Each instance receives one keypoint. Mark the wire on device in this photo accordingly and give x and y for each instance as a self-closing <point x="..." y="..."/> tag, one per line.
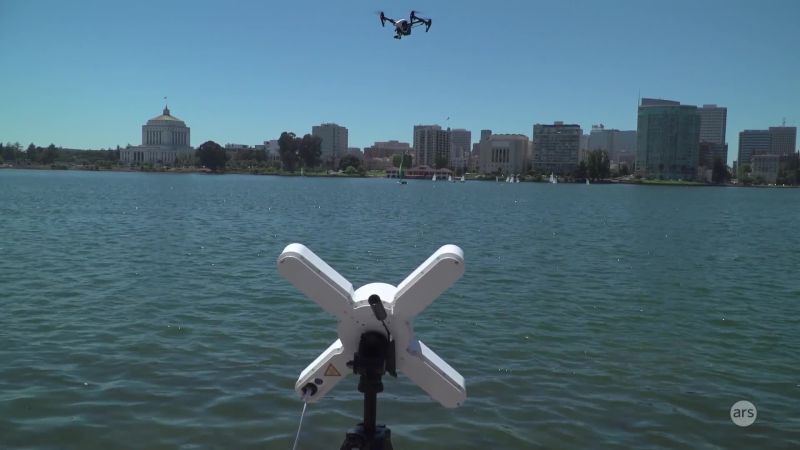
<point x="308" y="391"/>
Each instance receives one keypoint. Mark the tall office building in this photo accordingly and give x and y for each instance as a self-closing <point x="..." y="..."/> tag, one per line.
<point x="752" y="142"/>
<point x="333" y="142"/>
<point x="503" y="153"/>
<point x="620" y="145"/>
<point x="460" y="146"/>
<point x="783" y="140"/>
<point x="556" y="147"/>
<point x="583" y="147"/>
<point x="713" y="123"/>
<point x="713" y="126"/>
<point x="485" y="134"/>
<point x="668" y="139"/>
<point x="431" y="143"/>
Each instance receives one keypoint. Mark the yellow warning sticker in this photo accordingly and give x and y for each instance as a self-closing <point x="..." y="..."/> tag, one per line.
<point x="332" y="372"/>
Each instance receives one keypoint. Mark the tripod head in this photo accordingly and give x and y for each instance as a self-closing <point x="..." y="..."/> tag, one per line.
<point x="375" y="355"/>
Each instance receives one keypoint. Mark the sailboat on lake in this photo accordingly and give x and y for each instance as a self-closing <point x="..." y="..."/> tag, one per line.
<point x="400" y="171"/>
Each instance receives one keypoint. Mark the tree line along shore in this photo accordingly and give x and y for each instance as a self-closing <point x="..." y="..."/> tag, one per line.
<point x="301" y="156"/>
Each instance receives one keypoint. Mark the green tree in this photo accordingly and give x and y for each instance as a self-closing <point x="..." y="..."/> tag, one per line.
<point x="719" y="173"/>
<point x="48" y="155"/>
<point x="309" y="150"/>
<point x="288" y="150"/>
<point x="789" y="172"/>
<point x="582" y="171"/>
<point x="12" y="152"/>
<point x="32" y="152"/>
<point x="212" y="155"/>
<point x="349" y="161"/>
<point x="744" y="170"/>
<point x="598" y="165"/>
<point x="440" y="162"/>
<point x="406" y="159"/>
<point x="251" y="155"/>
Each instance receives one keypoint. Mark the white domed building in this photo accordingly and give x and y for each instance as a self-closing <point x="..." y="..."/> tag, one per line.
<point x="164" y="139"/>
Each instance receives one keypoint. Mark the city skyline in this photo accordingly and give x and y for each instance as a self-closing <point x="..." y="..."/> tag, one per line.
<point x="91" y="71"/>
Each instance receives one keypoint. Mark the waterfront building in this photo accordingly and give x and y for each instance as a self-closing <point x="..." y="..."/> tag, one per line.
<point x="379" y="155"/>
<point x="431" y="143"/>
<point x="765" y="166"/>
<point x="556" y="148"/>
<point x="782" y="140"/>
<point x="620" y="145"/>
<point x="273" y="150"/>
<point x="713" y="127"/>
<point x="165" y="138"/>
<point x="713" y="123"/>
<point x="460" y="146"/>
<point x="386" y="149"/>
<point x="474" y="158"/>
<point x="583" y="147"/>
<point x="668" y="140"/>
<point x="504" y="153"/>
<point x="355" y="151"/>
<point x="333" y="143"/>
<point x="420" y="173"/>
<point x="752" y="142"/>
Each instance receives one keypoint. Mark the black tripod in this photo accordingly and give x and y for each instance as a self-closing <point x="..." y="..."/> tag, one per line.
<point x="375" y="356"/>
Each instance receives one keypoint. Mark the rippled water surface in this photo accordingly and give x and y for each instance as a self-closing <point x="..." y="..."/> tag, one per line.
<point x="146" y="311"/>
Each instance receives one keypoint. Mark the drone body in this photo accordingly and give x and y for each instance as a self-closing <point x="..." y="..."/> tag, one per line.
<point x="356" y="317"/>
<point x="403" y="27"/>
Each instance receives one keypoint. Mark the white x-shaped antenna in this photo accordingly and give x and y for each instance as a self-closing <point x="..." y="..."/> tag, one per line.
<point x="319" y="282"/>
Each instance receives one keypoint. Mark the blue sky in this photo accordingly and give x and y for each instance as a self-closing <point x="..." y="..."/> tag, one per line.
<point x="88" y="74"/>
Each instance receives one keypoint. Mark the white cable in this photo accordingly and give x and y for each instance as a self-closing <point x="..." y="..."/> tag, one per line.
<point x="297" y="437"/>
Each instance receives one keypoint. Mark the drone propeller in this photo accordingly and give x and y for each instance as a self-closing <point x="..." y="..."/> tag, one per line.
<point x="382" y="17"/>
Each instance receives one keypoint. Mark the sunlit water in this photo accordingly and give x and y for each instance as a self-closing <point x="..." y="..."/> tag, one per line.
<point x="146" y="311"/>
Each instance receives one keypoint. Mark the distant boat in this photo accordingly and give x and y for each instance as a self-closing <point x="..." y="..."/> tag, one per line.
<point x="450" y="178"/>
<point x="400" y="172"/>
<point x="516" y="178"/>
<point x="463" y="179"/>
<point x="587" y="181"/>
<point x="434" y="177"/>
<point x="553" y="179"/>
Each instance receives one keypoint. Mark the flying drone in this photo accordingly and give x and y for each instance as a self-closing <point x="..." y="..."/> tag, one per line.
<point x="403" y="27"/>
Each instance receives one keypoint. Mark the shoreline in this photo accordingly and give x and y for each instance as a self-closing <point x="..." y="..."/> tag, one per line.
<point x="367" y="175"/>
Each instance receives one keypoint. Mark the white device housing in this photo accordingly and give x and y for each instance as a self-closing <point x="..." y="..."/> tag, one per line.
<point x="333" y="293"/>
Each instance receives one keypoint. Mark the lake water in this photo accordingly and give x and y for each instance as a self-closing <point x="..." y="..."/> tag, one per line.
<point x="146" y="311"/>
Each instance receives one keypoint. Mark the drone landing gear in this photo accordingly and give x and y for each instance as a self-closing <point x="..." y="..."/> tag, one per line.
<point x="375" y="356"/>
